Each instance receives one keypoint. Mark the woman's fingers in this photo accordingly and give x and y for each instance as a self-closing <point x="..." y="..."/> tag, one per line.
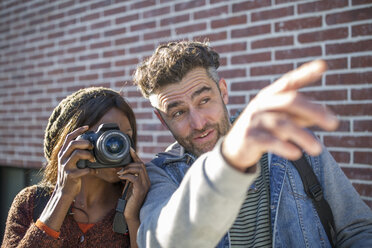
<point x="76" y="155"/>
<point x="77" y="150"/>
<point x="76" y="173"/>
<point x="71" y="136"/>
<point x="134" y="156"/>
<point x="135" y="169"/>
<point x="135" y="173"/>
<point x="129" y="177"/>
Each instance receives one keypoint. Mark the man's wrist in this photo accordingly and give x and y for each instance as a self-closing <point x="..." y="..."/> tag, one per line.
<point x="250" y="169"/>
<point x="227" y="180"/>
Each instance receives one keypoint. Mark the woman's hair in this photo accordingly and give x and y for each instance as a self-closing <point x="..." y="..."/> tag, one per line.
<point x="171" y="62"/>
<point x="84" y="107"/>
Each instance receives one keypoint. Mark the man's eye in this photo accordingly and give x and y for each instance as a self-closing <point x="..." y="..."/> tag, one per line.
<point x="178" y="113"/>
<point x="204" y="101"/>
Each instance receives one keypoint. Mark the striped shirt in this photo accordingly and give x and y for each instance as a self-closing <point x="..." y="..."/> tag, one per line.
<point x="252" y="226"/>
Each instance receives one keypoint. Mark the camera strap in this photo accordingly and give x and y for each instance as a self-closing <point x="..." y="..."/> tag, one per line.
<point x="120" y="224"/>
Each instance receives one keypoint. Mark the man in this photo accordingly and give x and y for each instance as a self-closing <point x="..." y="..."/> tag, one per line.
<point x="233" y="185"/>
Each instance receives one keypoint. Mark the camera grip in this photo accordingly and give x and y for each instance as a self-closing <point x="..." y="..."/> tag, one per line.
<point x="81" y="164"/>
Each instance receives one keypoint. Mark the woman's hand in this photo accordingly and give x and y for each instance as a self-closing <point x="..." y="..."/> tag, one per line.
<point x="136" y="174"/>
<point x="68" y="179"/>
<point x="69" y="176"/>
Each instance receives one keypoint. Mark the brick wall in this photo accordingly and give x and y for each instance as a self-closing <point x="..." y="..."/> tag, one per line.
<point x="48" y="49"/>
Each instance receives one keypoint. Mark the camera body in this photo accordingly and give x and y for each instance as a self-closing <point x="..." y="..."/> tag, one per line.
<point x="111" y="147"/>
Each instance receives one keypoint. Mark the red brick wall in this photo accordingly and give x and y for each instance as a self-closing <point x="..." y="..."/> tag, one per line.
<point x="49" y="49"/>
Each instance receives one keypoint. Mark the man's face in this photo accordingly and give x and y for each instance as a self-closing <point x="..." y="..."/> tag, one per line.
<point x="194" y="110"/>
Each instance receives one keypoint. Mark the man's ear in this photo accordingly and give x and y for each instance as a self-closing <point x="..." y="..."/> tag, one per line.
<point x="157" y="113"/>
<point x="223" y="89"/>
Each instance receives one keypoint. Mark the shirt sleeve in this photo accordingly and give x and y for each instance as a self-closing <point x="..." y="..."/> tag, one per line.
<point x="20" y="230"/>
<point x="54" y="234"/>
<point x="200" y="211"/>
<point x="352" y="216"/>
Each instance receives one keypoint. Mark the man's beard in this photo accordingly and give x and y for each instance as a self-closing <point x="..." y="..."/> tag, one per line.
<point x="221" y="128"/>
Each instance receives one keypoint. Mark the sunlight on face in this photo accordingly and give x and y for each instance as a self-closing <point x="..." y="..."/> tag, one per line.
<point x="194" y="111"/>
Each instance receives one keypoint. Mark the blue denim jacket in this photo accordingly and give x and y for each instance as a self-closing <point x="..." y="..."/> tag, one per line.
<point x="294" y="220"/>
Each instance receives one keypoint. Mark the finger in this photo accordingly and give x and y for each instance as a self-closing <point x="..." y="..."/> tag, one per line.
<point x="76" y="173"/>
<point x="139" y="185"/>
<point x="285" y="150"/>
<point x="285" y="129"/>
<point x="277" y="146"/>
<point x="76" y="145"/>
<point x="76" y="156"/>
<point x="139" y="165"/>
<point x="133" y="168"/>
<point x="328" y="122"/>
<point x="130" y="177"/>
<point x="296" y="79"/>
<point x="135" y="172"/>
<point x="306" y="113"/>
<point x="135" y="156"/>
<point x="93" y="171"/>
<point x="73" y="135"/>
<point x="311" y="113"/>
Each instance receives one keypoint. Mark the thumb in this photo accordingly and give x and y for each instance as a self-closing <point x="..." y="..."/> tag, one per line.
<point x="80" y="172"/>
<point x="135" y="156"/>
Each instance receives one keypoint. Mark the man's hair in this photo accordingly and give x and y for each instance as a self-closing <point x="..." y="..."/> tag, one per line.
<point x="171" y="62"/>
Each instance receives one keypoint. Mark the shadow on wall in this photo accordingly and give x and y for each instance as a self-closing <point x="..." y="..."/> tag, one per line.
<point x="13" y="180"/>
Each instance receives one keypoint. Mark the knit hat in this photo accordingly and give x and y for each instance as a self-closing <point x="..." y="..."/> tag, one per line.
<point x="67" y="110"/>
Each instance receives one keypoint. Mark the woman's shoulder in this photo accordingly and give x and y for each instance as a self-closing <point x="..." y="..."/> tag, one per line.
<point x="26" y="197"/>
<point x="26" y="194"/>
<point x="22" y="205"/>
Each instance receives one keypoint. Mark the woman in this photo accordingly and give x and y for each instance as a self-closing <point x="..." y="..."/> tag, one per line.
<point x="81" y="208"/>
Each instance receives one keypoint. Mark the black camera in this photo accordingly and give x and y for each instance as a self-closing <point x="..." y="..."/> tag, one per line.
<point x="111" y="147"/>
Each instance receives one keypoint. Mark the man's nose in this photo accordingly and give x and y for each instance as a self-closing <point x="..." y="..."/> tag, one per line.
<point x="197" y="119"/>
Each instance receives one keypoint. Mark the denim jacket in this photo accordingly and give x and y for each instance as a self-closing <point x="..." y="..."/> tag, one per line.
<point x="169" y="217"/>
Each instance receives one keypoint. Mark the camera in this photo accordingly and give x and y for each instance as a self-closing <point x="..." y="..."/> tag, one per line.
<point x="111" y="147"/>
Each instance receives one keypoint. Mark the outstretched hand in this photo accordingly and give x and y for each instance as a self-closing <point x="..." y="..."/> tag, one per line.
<point x="276" y="121"/>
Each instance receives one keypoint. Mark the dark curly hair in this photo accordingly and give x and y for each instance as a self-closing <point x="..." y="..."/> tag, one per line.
<point x="84" y="107"/>
<point x="171" y="62"/>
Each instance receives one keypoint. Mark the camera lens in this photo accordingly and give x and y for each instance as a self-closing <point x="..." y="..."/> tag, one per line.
<point x="112" y="147"/>
<point x="114" y="144"/>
